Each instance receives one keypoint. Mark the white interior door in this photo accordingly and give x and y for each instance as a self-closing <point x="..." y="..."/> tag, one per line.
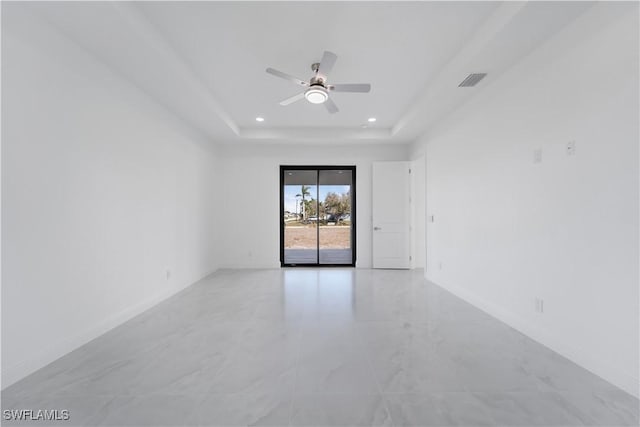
<point x="391" y="215"/>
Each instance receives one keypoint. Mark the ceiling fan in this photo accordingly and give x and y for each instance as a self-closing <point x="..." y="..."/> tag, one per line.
<point x="317" y="88"/>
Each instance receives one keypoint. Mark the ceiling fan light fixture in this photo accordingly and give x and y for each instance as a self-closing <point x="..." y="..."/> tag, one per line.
<point x="316" y="95"/>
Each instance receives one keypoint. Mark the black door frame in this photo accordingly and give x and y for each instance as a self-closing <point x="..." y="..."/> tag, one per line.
<point x="352" y="168"/>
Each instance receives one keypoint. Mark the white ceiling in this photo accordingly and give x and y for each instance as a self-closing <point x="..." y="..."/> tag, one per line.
<point x="230" y="45"/>
<point x="205" y="61"/>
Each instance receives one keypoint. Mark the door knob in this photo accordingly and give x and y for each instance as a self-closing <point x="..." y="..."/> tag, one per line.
<point x="377" y="228"/>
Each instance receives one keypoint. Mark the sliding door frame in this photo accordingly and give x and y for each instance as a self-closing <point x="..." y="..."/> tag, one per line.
<point x="352" y="168"/>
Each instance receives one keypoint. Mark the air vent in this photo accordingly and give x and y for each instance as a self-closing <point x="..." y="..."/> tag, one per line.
<point x="472" y="80"/>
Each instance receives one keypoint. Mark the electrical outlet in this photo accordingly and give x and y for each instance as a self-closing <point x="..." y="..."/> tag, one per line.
<point x="537" y="155"/>
<point x="440" y="265"/>
<point x="168" y="274"/>
<point x="571" y="148"/>
<point x="539" y="308"/>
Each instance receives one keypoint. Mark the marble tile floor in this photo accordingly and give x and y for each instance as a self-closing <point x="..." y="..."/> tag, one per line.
<point x="318" y="347"/>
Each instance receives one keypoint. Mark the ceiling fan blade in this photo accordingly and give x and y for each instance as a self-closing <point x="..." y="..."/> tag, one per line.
<point x="351" y="87"/>
<point x="292" y="99"/>
<point x="287" y="77"/>
<point x="327" y="62"/>
<point x="331" y="106"/>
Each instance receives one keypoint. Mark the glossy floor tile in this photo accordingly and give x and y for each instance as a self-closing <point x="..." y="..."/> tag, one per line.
<point x="318" y="347"/>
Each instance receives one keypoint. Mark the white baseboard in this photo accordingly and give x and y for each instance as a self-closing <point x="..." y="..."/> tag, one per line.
<point x="30" y="364"/>
<point x="617" y="376"/>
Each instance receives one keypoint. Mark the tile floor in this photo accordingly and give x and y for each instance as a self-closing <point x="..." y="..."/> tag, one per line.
<point x="319" y="347"/>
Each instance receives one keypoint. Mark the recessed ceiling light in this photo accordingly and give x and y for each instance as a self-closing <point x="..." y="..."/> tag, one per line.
<point x="371" y="119"/>
<point x="259" y="119"/>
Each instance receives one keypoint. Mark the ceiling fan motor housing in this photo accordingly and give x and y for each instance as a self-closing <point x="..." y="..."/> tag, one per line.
<point x="316" y="81"/>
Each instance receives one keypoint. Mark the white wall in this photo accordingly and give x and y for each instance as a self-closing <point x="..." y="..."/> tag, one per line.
<point x="252" y="199"/>
<point x="103" y="191"/>
<point x="418" y="243"/>
<point x="508" y="230"/>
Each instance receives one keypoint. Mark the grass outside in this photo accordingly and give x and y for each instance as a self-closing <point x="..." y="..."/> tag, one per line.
<point x="304" y="237"/>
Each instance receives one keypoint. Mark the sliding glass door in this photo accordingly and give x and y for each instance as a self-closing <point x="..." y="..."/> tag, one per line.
<point x="317" y="216"/>
<point x="299" y="217"/>
<point x="334" y="230"/>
